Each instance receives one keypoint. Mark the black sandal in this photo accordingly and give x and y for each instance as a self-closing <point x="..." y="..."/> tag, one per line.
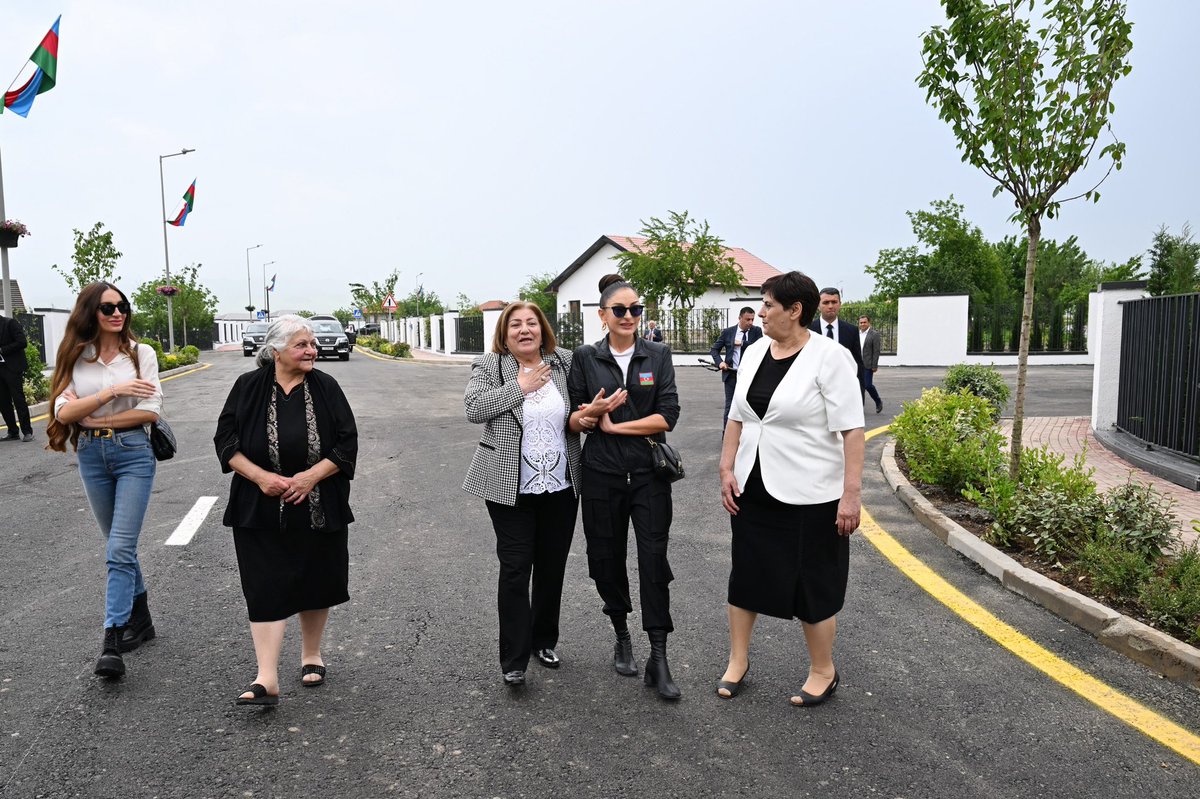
<point x="260" y="696"/>
<point x="312" y="668"/>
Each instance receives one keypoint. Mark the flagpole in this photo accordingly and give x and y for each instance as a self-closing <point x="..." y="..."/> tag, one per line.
<point x="5" y="283"/>
<point x="162" y="193"/>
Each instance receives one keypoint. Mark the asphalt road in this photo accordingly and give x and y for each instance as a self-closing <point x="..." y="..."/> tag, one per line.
<point x="414" y="705"/>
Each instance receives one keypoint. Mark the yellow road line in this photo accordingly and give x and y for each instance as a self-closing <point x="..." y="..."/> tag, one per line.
<point x="201" y="368"/>
<point x="369" y="354"/>
<point x="1107" y="698"/>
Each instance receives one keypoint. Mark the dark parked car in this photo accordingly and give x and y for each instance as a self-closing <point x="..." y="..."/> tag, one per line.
<point x="331" y="339"/>
<point x="369" y="329"/>
<point x="253" y="337"/>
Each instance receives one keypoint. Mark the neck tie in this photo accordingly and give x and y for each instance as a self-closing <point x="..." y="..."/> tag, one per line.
<point x="829" y="330"/>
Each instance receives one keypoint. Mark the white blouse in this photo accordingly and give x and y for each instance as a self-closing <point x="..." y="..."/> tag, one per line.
<point x="90" y="377"/>
<point x="544" y="442"/>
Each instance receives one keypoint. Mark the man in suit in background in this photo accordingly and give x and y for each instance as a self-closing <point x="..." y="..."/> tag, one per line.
<point x="652" y="332"/>
<point x="12" y="380"/>
<point x="869" y="342"/>
<point x="827" y="324"/>
<point x="734" y="341"/>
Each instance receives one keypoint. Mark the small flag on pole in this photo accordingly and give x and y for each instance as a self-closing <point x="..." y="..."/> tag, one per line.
<point x="189" y="200"/>
<point x="45" y="61"/>
<point x="272" y="286"/>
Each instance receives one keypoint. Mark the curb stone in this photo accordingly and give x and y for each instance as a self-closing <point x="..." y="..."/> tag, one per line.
<point x="1137" y="641"/>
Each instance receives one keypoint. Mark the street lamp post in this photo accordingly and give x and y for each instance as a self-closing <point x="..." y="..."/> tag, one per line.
<point x="249" y="291"/>
<point x="266" y="291"/>
<point x="166" y="253"/>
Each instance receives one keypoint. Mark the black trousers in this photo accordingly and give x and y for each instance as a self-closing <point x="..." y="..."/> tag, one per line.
<point x="730" y="385"/>
<point x="12" y="392"/>
<point x="610" y="502"/>
<point x="532" y="537"/>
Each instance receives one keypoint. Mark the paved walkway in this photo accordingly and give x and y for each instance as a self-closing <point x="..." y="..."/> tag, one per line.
<point x="1068" y="435"/>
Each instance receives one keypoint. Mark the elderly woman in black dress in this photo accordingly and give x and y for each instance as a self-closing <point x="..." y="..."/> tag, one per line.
<point x="791" y="478"/>
<point x="288" y="433"/>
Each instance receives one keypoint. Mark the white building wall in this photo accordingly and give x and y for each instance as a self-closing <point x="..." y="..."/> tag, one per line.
<point x="490" y="319"/>
<point x="1105" y="319"/>
<point x="451" y="331"/>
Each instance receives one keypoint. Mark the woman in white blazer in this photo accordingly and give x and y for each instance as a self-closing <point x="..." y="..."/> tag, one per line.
<point x="791" y="478"/>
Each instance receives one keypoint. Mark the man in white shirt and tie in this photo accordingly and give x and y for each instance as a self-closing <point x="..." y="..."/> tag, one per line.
<point x="734" y="340"/>
<point x="827" y="324"/>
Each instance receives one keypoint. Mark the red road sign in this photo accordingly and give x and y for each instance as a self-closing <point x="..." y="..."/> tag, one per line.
<point x="389" y="304"/>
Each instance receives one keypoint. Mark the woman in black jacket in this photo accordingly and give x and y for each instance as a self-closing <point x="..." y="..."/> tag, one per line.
<point x="289" y="434"/>
<point x="619" y="483"/>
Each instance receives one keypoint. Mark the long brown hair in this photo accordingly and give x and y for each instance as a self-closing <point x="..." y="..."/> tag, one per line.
<point x="83" y="330"/>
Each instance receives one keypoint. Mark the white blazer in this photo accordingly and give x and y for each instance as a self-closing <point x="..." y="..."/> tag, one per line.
<point x="799" y="441"/>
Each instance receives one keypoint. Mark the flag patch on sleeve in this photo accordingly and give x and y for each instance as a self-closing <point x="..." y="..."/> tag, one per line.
<point x="646" y="378"/>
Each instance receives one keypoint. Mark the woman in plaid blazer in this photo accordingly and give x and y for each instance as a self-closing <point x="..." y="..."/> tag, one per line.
<point x="526" y="467"/>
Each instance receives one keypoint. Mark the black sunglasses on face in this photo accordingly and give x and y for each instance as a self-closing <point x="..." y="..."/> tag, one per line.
<point x="619" y="310"/>
<point x="109" y="308"/>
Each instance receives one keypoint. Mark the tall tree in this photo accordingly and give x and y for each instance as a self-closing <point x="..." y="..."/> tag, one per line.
<point x="369" y="299"/>
<point x="194" y="306"/>
<point x="1173" y="263"/>
<point x="95" y="259"/>
<point x="1027" y="107"/>
<point x="682" y="260"/>
<point x="534" y="291"/>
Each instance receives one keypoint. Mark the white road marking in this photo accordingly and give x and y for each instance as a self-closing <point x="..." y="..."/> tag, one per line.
<point x="191" y="523"/>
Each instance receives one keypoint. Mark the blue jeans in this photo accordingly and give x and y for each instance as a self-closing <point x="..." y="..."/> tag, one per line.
<point x="118" y="474"/>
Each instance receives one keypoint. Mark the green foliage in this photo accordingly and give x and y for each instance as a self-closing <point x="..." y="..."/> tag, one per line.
<point x="306" y="314"/>
<point x="190" y="352"/>
<point x="378" y="344"/>
<point x="193" y="308"/>
<point x="1172" y="598"/>
<point x="1140" y="519"/>
<point x="344" y="316"/>
<point x="681" y="260"/>
<point x="534" y="291"/>
<point x="95" y="258"/>
<point x="1113" y="570"/>
<point x="1174" y="263"/>
<point x="467" y="306"/>
<point x="370" y="299"/>
<point x="949" y="439"/>
<point x="982" y="381"/>
<point x="37" y="388"/>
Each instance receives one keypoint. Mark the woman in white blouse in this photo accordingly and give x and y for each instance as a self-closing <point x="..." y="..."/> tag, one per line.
<point x="791" y="478"/>
<point x="104" y="392"/>
<point x="526" y="467"/>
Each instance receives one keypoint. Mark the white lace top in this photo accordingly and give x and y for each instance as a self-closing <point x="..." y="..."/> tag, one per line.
<point x="544" y="443"/>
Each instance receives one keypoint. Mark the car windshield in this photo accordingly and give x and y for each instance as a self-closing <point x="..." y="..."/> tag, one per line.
<point x="258" y="328"/>
<point x="327" y="327"/>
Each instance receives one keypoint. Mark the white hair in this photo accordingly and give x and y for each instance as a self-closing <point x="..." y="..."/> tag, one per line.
<point x="279" y="333"/>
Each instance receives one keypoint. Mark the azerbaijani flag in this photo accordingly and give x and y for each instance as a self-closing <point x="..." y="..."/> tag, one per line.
<point x="45" y="59"/>
<point x="189" y="200"/>
<point x="272" y="286"/>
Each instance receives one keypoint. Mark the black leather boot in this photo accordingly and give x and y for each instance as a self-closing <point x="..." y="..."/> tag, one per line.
<point x="623" y="660"/>
<point x="110" y="663"/>
<point x="658" y="673"/>
<point x="140" y="627"/>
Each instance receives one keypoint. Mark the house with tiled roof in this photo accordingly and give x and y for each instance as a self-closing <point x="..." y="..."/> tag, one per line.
<point x="577" y="286"/>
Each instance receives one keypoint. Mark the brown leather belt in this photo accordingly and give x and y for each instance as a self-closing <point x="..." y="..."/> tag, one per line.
<point x="105" y="432"/>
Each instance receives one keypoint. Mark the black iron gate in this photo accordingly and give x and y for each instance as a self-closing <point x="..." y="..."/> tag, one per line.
<point x="1158" y="397"/>
<point x="441" y="334"/>
<point x="470" y="333"/>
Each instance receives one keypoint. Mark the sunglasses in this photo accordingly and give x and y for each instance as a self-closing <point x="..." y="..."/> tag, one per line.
<point x="619" y="310"/>
<point x="109" y="308"/>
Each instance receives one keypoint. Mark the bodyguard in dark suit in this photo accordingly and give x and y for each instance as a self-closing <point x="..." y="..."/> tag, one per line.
<point x="12" y="380"/>
<point x="734" y="340"/>
<point x="868" y="338"/>
<point x="827" y="324"/>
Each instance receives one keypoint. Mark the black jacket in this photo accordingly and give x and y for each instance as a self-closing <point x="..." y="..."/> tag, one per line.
<point x="12" y="345"/>
<point x="847" y="337"/>
<point x="725" y="341"/>
<point x="651" y="386"/>
<point x="242" y="427"/>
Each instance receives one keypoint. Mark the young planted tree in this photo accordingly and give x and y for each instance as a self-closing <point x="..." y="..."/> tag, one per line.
<point x="369" y="299"/>
<point x="195" y="306"/>
<point x="95" y="258"/>
<point x="1027" y="94"/>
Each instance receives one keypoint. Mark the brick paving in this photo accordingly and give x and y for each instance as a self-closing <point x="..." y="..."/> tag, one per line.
<point x="1068" y="435"/>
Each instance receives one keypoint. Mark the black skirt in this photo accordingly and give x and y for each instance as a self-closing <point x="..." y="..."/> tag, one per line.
<point x="286" y="572"/>
<point x="788" y="560"/>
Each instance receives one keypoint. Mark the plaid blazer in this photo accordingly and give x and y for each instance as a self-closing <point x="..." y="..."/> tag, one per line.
<point x="494" y="399"/>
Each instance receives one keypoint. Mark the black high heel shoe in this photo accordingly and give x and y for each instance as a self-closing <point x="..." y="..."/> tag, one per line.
<point x="809" y="700"/>
<point x="734" y="688"/>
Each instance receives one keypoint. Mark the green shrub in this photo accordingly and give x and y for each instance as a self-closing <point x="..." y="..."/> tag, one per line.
<point x="403" y="350"/>
<point x="1139" y="519"/>
<point x="169" y="361"/>
<point x="1113" y="570"/>
<point x="1172" y="598"/>
<point x="982" y="381"/>
<point x="192" y="354"/>
<point x="949" y="439"/>
<point x="35" y="384"/>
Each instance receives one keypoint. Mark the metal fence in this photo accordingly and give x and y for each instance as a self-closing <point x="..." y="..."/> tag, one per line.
<point x="441" y="334"/>
<point x="996" y="327"/>
<point x="568" y="329"/>
<point x="692" y="330"/>
<point x="1158" y="396"/>
<point x="470" y="333"/>
<point x="884" y="316"/>
<point x="35" y="331"/>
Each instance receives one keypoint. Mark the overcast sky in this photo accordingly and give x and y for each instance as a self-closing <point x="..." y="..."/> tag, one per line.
<point x="481" y="142"/>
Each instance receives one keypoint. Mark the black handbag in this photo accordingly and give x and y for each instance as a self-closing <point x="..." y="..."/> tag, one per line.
<point x="668" y="465"/>
<point x="162" y="440"/>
